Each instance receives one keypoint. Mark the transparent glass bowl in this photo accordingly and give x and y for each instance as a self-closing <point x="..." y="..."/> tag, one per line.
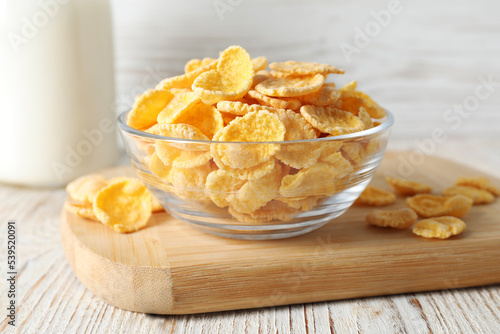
<point x="281" y="202"/>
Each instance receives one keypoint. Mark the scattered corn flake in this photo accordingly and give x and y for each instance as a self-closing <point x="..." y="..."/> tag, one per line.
<point x="373" y="196"/>
<point x="401" y="219"/>
<point x="407" y="187"/>
<point x="331" y="120"/>
<point x="480" y="183"/>
<point x="291" y="86"/>
<point x="83" y="189"/>
<point x="185" y="80"/>
<point x="124" y="205"/>
<point x="84" y="211"/>
<point x="479" y="196"/>
<point x="440" y="228"/>
<point x="427" y="205"/>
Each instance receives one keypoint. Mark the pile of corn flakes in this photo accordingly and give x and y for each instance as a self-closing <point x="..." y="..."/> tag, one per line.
<point x="235" y="99"/>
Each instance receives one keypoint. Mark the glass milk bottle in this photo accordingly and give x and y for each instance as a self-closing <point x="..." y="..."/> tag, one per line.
<point x="57" y="117"/>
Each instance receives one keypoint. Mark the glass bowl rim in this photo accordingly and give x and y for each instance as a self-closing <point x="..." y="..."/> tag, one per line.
<point x="387" y="124"/>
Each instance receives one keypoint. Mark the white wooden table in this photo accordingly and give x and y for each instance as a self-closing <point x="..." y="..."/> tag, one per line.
<point x="427" y="59"/>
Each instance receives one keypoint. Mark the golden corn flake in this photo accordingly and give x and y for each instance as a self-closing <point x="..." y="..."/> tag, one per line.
<point x="291" y="86"/>
<point x="180" y="104"/>
<point x="435" y="206"/>
<point x="251" y="173"/>
<point x="317" y="180"/>
<point x="402" y="218"/>
<point x="354" y="151"/>
<point x="407" y="187"/>
<point x="253" y="127"/>
<point x="232" y="79"/>
<point x="190" y="182"/>
<point x="342" y="166"/>
<point x="330" y="120"/>
<point x="185" y="80"/>
<point x="222" y="187"/>
<point x="479" y="196"/>
<point x="480" y="183"/>
<point x="124" y="205"/>
<point x="227" y="117"/>
<point x="274" y="210"/>
<point x="304" y="68"/>
<point x="349" y="88"/>
<point x="373" y="196"/>
<point x="297" y="155"/>
<point x="195" y="64"/>
<point x="357" y="100"/>
<point x="84" y="211"/>
<point x="159" y="169"/>
<point x="240" y="108"/>
<point x="259" y="77"/>
<point x="257" y="193"/>
<point x="365" y="117"/>
<point x="259" y="64"/>
<point x="440" y="228"/>
<point x="303" y="204"/>
<point x="203" y="117"/>
<point x="172" y="156"/>
<point x="147" y="107"/>
<point x="326" y="96"/>
<point x="279" y="103"/>
<point x="83" y="189"/>
<point x="183" y="131"/>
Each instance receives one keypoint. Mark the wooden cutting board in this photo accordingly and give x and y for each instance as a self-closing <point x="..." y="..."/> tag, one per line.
<point x="172" y="268"/>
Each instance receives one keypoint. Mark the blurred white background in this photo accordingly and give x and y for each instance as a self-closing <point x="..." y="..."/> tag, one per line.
<point x="418" y="61"/>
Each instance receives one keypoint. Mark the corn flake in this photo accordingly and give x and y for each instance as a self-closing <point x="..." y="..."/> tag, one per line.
<point x="435" y="206"/>
<point x="407" y="187"/>
<point x="331" y="120"/>
<point x="402" y="218"/>
<point x="480" y="183"/>
<point x="304" y="68"/>
<point x="83" y="189"/>
<point x="124" y="205"/>
<point x="232" y="79"/>
<point x="291" y="86"/>
<point x="373" y="196"/>
<point x="479" y="196"/>
<point x="440" y="228"/>
<point x="147" y="107"/>
<point x="317" y="180"/>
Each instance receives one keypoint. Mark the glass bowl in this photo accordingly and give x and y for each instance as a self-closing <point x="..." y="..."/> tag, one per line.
<point x="199" y="186"/>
